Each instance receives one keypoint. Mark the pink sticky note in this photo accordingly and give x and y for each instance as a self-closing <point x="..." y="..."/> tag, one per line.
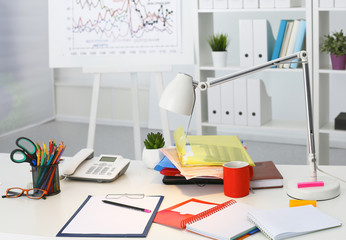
<point x="310" y="184"/>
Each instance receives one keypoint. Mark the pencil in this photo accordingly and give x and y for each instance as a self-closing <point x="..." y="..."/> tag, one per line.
<point x="127" y="206"/>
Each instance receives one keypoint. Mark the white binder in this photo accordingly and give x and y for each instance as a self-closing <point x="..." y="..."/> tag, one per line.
<point x="260" y="42"/>
<point x="227" y="103"/>
<point x="267" y="3"/>
<point x="214" y="104"/>
<point x="205" y="4"/>
<point x="340" y="3"/>
<point x="326" y="3"/>
<point x="235" y="4"/>
<point x="287" y="3"/>
<point x="240" y="102"/>
<point x="292" y="40"/>
<point x="258" y="103"/>
<point x="220" y="4"/>
<point x="245" y="43"/>
<point x="251" y="3"/>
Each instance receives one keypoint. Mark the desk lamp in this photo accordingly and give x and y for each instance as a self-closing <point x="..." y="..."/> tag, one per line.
<point x="179" y="97"/>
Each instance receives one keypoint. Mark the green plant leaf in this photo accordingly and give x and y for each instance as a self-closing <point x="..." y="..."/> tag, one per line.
<point x="154" y="141"/>
<point x="334" y="44"/>
<point x="218" y="42"/>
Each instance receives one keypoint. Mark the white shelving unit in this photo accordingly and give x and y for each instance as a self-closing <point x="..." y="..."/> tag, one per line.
<point x="324" y="78"/>
<point x="206" y="20"/>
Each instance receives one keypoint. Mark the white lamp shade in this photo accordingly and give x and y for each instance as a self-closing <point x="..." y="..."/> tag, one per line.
<point x="179" y="96"/>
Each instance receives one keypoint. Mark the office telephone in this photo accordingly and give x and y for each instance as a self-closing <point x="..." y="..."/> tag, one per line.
<point x="84" y="166"/>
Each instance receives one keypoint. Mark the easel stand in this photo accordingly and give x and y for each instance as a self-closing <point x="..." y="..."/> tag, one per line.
<point x="135" y="104"/>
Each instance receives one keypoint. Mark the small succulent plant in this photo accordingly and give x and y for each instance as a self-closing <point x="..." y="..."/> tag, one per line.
<point x="154" y="141"/>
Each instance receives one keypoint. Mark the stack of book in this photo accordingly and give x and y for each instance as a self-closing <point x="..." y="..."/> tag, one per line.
<point x="290" y="39"/>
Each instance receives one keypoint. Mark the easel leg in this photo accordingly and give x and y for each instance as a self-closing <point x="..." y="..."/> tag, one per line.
<point x="135" y="114"/>
<point x="93" y="111"/>
<point x="163" y="113"/>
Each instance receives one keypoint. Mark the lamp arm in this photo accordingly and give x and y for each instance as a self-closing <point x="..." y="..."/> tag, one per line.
<point x="219" y="80"/>
<point x="302" y="55"/>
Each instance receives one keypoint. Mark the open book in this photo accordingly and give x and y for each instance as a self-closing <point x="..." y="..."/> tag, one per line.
<point x="218" y="221"/>
<point x="289" y="222"/>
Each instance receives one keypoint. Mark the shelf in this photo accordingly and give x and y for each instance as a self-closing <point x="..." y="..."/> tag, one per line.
<point x="328" y="70"/>
<point x="329" y="128"/>
<point x="235" y="68"/>
<point x="332" y="9"/>
<point x="279" y="130"/>
<point x="260" y="10"/>
<point x="272" y="125"/>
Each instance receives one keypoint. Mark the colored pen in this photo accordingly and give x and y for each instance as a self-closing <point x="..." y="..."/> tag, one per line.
<point x="127" y="206"/>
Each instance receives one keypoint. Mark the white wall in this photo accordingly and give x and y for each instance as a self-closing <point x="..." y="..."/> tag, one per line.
<point x="73" y="96"/>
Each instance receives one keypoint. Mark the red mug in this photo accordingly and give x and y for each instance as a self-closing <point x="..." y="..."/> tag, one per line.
<point x="236" y="178"/>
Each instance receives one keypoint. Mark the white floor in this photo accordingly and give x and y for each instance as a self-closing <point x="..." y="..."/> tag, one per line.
<point x="119" y="140"/>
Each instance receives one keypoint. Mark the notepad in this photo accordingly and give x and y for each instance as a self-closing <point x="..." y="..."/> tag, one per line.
<point x="289" y="222"/>
<point x="95" y="218"/>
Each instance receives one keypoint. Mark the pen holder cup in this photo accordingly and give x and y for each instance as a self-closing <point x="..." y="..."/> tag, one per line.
<point x="46" y="178"/>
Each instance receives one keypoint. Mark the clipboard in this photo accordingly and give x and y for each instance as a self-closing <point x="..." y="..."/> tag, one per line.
<point x="94" y="218"/>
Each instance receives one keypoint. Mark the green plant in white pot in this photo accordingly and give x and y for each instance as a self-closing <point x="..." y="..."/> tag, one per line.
<point x="218" y="44"/>
<point x="151" y="154"/>
<point x="335" y="44"/>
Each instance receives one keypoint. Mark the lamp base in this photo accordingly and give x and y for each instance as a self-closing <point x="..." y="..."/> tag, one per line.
<point x="330" y="190"/>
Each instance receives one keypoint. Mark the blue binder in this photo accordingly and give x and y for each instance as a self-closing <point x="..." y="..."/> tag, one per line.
<point x="299" y="41"/>
<point x="279" y="40"/>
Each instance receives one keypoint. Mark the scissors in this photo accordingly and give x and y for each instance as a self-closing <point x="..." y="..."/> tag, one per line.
<point x="26" y="153"/>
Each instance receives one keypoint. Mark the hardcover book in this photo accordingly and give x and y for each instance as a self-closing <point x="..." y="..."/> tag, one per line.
<point x="266" y="175"/>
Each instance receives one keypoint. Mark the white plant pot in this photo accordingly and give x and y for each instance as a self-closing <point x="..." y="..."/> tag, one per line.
<point x="151" y="157"/>
<point x="219" y="59"/>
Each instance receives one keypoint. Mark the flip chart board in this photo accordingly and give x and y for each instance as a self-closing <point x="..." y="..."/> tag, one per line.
<point x="107" y="33"/>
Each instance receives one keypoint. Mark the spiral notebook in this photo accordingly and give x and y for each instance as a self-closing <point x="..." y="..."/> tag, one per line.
<point x="289" y="222"/>
<point x="177" y="215"/>
<point x="218" y="221"/>
<point x="226" y="221"/>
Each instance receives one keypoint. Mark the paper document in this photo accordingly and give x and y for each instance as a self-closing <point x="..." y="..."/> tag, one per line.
<point x="194" y="171"/>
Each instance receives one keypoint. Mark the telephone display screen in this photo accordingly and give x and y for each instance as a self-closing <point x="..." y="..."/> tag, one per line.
<point x="107" y="159"/>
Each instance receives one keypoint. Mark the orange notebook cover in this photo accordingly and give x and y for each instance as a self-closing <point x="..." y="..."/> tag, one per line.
<point x="178" y="215"/>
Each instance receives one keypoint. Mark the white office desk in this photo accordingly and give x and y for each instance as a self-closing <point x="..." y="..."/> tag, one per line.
<point x="46" y="217"/>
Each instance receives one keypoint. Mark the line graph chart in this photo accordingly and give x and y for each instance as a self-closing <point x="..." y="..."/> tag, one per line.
<point x="121" y="27"/>
<point x="121" y="33"/>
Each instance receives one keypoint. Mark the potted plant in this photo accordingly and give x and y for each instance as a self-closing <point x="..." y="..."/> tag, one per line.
<point x="151" y="154"/>
<point x="335" y="44"/>
<point x="218" y="44"/>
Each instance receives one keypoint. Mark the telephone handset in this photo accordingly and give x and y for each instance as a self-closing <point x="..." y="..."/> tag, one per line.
<point x="84" y="166"/>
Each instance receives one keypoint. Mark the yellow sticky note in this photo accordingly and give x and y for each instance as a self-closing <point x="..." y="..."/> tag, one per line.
<point x="297" y="203"/>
